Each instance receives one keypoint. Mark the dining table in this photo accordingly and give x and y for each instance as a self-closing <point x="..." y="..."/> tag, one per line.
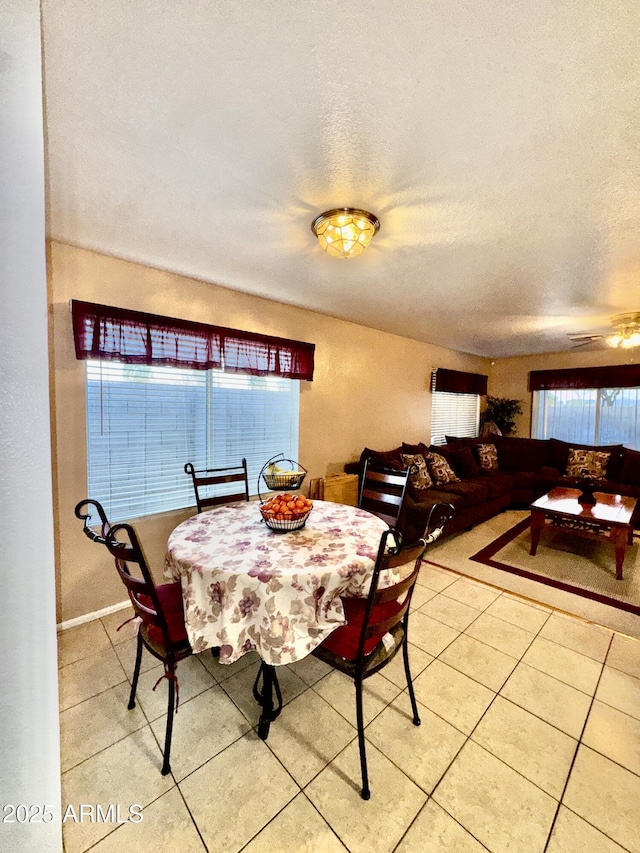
<point x="246" y="587"/>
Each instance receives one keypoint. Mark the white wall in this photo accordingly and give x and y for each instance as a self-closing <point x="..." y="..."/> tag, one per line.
<point x="29" y="738"/>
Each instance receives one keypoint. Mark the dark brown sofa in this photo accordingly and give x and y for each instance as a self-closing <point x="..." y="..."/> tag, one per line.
<point x="475" y="498"/>
<point x="536" y="466"/>
<point x="526" y="469"/>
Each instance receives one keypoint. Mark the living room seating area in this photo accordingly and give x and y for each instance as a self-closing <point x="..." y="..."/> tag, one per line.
<point x="481" y="477"/>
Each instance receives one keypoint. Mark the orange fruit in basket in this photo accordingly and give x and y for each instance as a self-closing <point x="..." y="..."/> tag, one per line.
<point x="286" y="507"/>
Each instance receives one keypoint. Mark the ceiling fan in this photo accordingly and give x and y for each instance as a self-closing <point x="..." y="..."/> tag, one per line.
<point x="625" y="333"/>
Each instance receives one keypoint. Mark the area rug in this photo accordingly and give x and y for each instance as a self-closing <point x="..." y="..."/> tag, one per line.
<point x="568" y="562"/>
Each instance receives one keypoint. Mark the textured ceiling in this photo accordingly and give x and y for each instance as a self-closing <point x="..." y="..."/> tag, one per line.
<point x="497" y="141"/>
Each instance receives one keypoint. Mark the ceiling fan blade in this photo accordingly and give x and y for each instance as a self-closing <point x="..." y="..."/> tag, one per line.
<point x="584" y="340"/>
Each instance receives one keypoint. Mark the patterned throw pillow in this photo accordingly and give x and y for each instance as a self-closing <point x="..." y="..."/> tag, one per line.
<point x="487" y="456"/>
<point x="440" y="469"/>
<point x="587" y="463"/>
<point x="420" y="477"/>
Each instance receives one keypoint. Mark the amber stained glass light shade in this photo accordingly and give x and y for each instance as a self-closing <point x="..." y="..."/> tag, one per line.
<point x="345" y="232"/>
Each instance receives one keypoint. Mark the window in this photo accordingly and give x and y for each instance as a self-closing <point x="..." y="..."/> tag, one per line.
<point x="453" y="414"/>
<point x="144" y="422"/>
<point x="455" y="403"/>
<point x="162" y="391"/>
<point x="588" y="415"/>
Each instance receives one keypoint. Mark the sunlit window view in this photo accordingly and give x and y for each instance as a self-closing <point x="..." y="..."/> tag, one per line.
<point x="588" y="416"/>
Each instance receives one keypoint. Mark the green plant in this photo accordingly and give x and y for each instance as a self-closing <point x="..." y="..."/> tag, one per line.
<point x="502" y="411"/>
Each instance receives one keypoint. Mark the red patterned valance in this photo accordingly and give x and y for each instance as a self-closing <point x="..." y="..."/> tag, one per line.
<point x="579" y="378"/>
<point x="458" y="382"/>
<point x="134" y="337"/>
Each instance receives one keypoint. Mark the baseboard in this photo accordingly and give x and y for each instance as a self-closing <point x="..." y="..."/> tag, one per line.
<point x="90" y="617"/>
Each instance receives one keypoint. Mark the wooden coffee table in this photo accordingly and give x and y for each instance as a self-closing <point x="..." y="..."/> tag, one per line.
<point x="610" y="514"/>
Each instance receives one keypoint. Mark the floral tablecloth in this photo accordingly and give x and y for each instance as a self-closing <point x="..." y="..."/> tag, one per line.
<point x="247" y="587"/>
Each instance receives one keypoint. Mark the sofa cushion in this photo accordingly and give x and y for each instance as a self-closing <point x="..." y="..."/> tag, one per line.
<point x="419" y="476"/>
<point x="473" y="492"/>
<point x="418" y="510"/>
<point x="383" y="458"/>
<point x="442" y="449"/>
<point x="463" y="441"/>
<point x="630" y="473"/>
<point x="522" y="479"/>
<point x="440" y="469"/>
<point x="521" y="454"/>
<point x="487" y="456"/>
<point x="545" y="479"/>
<point x="559" y="454"/>
<point x="464" y="462"/>
<point x="591" y="464"/>
<point x="415" y="448"/>
<point x="496" y="483"/>
<point x="549" y="473"/>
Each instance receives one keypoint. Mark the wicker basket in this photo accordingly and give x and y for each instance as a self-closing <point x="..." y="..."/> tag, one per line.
<point x="284" y="480"/>
<point x="284" y="525"/>
<point x="287" y="480"/>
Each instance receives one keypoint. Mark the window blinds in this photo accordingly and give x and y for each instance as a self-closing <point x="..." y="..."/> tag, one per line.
<point x="144" y="423"/>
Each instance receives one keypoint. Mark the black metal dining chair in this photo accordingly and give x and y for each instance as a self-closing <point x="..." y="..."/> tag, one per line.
<point x="377" y="626"/>
<point x="205" y="478"/>
<point x="382" y="491"/>
<point x="159" y="608"/>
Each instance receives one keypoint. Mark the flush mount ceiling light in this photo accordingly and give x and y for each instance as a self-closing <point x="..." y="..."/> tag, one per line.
<point x="627" y="334"/>
<point x="345" y="231"/>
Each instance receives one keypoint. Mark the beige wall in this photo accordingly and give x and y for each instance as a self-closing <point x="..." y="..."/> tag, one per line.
<point x="370" y="389"/>
<point x="510" y="376"/>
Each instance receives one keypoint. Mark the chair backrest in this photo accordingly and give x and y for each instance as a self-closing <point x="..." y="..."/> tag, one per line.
<point x="207" y="477"/>
<point x="387" y="607"/>
<point x="382" y="491"/>
<point x="124" y="546"/>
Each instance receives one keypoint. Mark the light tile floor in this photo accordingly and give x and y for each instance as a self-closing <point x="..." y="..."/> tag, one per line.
<point x="529" y="743"/>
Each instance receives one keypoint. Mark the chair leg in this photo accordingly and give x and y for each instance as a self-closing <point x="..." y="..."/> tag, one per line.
<point x="166" y="766"/>
<point x="407" y="672"/>
<point x="365" y="793"/>
<point x="136" y="674"/>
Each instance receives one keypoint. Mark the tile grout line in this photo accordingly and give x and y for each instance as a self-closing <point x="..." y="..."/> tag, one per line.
<point x="193" y="820"/>
<point x="111" y="832"/>
<point x="575" y="754"/>
<point x="430" y="799"/>
<point x="469" y="739"/>
<point x="518" y="660"/>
